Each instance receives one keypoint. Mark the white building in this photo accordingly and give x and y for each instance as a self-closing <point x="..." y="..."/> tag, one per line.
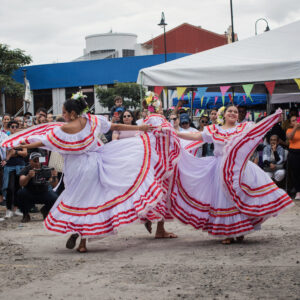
<point x="112" y="45"/>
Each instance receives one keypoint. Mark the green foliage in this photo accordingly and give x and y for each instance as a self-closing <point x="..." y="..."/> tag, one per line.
<point x="125" y="90"/>
<point x="11" y="60"/>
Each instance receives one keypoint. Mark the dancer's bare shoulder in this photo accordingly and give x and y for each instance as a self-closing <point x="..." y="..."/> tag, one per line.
<point x="74" y="126"/>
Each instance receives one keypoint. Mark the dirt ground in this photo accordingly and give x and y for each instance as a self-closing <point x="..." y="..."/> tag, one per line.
<point x="34" y="264"/>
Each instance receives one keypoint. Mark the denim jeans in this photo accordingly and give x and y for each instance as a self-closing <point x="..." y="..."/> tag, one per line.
<point x="6" y="171"/>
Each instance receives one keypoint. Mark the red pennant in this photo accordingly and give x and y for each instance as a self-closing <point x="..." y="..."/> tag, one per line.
<point x="216" y="99"/>
<point x="244" y="97"/>
<point x="230" y="97"/>
<point x="158" y="89"/>
<point x="193" y="96"/>
<point x="270" y="85"/>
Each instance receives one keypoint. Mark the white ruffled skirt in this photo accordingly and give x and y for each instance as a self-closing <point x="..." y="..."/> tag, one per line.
<point x="226" y="195"/>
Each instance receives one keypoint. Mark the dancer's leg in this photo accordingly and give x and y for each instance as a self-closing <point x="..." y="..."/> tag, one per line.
<point x="162" y="233"/>
<point x="82" y="246"/>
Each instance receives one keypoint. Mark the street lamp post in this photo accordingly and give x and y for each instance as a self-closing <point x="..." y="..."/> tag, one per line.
<point x="267" y="28"/>
<point x="164" y="24"/>
<point x="232" y="30"/>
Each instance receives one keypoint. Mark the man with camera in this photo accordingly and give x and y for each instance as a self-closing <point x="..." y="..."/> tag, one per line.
<point x="35" y="181"/>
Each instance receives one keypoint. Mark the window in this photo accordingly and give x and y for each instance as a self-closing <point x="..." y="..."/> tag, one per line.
<point x="127" y="52"/>
<point x="42" y="98"/>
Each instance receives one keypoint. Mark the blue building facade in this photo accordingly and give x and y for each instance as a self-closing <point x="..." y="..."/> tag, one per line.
<point x="51" y="84"/>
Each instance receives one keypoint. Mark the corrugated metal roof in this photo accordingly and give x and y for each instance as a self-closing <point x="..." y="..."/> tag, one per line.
<point x="92" y="72"/>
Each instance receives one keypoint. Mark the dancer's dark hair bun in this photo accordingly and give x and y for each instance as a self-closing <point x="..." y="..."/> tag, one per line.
<point x="78" y="105"/>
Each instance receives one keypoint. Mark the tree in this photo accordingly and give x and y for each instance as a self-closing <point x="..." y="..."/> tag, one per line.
<point x="11" y="60"/>
<point x="132" y="91"/>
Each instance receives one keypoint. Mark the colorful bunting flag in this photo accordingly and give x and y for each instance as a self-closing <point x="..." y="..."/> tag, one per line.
<point x="196" y="112"/>
<point x="207" y="100"/>
<point x="201" y="91"/>
<point x="202" y="100"/>
<point x="244" y="97"/>
<point x="216" y="99"/>
<point x="180" y="92"/>
<point x="189" y="96"/>
<point x="230" y="97"/>
<point x="248" y="88"/>
<point x="158" y="89"/>
<point x="270" y="85"/>
<point x="166" y="91"/>
<point x="193" y="98"/>
<point x="297" y="80"/>
<point x="224" y="89"/>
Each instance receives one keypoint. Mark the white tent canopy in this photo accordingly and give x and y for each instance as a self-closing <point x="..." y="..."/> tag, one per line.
<point x="273" y="55"/>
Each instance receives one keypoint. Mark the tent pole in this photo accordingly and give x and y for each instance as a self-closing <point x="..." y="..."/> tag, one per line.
<point x="141" y="92"/>
<point x="192" y="106"/>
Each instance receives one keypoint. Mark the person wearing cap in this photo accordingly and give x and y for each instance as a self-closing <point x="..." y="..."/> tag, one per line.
<point x="185" y="124"/>
<point x="36" y="191"/>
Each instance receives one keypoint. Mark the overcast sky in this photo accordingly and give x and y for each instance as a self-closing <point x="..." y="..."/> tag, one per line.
<point x="55" y="30"/>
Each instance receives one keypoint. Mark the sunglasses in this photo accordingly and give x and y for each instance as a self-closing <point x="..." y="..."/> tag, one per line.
<point x="205" y="122"/>
<point x="127" y="116"/>
<point x="13" y="127"/>
<point x="173" y="119"/>
<point x="184" y="123"/>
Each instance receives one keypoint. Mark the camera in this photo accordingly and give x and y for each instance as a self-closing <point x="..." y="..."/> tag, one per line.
<point x="42" y="176"/>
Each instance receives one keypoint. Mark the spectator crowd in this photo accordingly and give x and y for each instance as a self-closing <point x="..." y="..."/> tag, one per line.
<point x="35" y="176"/>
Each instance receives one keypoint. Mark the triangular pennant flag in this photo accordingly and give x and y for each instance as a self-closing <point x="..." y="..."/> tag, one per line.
<point x="189" y="96"/>
<point x="166" y="91"/>
<point x="270" y="85"/>
<point x="202" y="112"/>
<point x="298" y="82"/>
<point x="230" y="97"/>
<point x="202" y="100"/>
<point x="216" y="99"/>
<point x="207" y="100"/>
<point x="224" y="89"/>
<point x="244" y="97"/>
<point x="248" y="88"/>
<point x="197" y="111"/>
<point x="193" y="98"/>
<point x="180" y="91"/>
<point x="158" y="89"/>
<point x="201" y="91"/>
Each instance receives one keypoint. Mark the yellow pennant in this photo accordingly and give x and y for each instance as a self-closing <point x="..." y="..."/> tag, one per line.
<point x="298" y="82"/>
<point x="166" y="91"/>
<point x="202" y="100"/>
<point x="180" y="91"/>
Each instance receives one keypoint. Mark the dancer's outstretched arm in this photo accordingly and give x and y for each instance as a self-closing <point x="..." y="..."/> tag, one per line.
<point x="32" y="145"/>
<point x="191" y="136"/>
<point x="124" y="127"/>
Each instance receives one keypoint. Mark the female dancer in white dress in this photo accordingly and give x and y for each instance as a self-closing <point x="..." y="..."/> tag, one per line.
<point x="224" y="194"/>
<point x="106" y="186"/>
<point x="168" y="147"/>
